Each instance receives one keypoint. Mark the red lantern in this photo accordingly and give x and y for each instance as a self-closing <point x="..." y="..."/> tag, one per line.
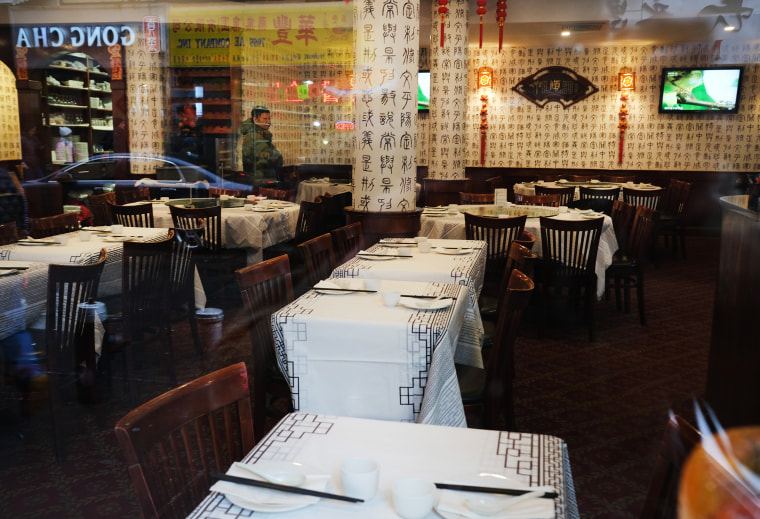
<point x="442" y="10"/>
<point x="501" y="15"/>
<point x="481" y="12"/>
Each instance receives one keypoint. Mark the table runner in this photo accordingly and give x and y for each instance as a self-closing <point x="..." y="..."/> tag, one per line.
<point x="403" y="450"/>
<point x="349" y="354"/>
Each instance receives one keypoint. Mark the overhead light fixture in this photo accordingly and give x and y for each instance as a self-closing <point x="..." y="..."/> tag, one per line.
<point x="729" y="28"/>
<point x="565" y="32"/>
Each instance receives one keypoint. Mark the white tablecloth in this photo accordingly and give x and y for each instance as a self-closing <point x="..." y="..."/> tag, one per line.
<point x="22" y="296"/>
<point x="452" y="227"/>
<point x="245" y="229"/>
<point x="350" y="354"/>
<point x="310" y="189"/>
<point x="465" y="269"/>
<point x="439" y="454"/>
<point x="529" y="188"/>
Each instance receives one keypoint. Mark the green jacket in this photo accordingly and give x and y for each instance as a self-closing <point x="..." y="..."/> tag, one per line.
<point x="261" y="159"/>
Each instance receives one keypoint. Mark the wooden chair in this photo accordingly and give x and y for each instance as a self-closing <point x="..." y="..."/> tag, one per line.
<point x="182" y="274"/>
<point x="496" y="182"/>
<point x="542" y="200"/>
<point x="626" y="271"/>
<point x="583" y="178"/>
<point x="216" y="192"/>
<point x="173" y="443"/>
<point x="8" y="233"/>
<point x="476" y="198"/>
<point x="520" y="258"/>
<point x="347" y="241"/>
<point x="69" y="361"/>
<point x="527" y="239"/>
<point x="671" y="226"/>
<point x="566" y="194"/>
<point x="131" y="195"/>
<point x="622" y="220"/>
<point x="569" y="261"/>
<point x="498" y="233"/>
<point x="335" y="209"/>
<point x="140" y="215"/>
<point x="53" y="225"/>
<point x="287" y="195"/>
<point x="265" y="288"/>
<point x="490" y="388"/>
<point x="100" y="207"/>
<point x="319" y="257"/>
<point x="679" y="439"/>
<point x="649" y="198"/>
<point x="599" y="200"/>
<point x="619" y="179"/>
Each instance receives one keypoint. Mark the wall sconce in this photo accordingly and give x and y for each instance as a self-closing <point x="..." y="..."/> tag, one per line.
<point x="626" y="79"/>
<point x="485" y="77"/>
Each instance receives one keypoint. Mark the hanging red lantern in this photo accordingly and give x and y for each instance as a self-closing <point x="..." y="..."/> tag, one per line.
<point x="481" y="12"/>
<point x="501" y="15"/>
<point x="442" y="10"/>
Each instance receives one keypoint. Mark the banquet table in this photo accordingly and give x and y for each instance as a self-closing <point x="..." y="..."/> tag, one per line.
<point x="434" y="224"/>
<point x="24" y="292"/>
<point x="349" y="354"/>
<point x="310" y="189"/>
<point x="439" y="454"/>
<point x="529" y="188"/>
<point x="250" y="227"/>
<point x="441" y="265"/>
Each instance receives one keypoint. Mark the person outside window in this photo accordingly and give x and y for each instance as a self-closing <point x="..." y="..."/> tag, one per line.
<point x="261" y="159"/>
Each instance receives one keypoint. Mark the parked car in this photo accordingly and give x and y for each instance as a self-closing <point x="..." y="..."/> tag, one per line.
<point x="165" y="176"/>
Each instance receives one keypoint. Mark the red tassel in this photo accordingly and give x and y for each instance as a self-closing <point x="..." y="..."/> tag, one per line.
<point x="482" y="149"/>
<point x="481" y="32"/>
<point x="442" y="25"/>
<point x="501" y="36"/>
<point x="620" y="149"/>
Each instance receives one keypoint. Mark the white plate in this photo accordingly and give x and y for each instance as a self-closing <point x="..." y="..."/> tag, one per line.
<point x="8" y="272"/>
<point x="454" y="252"/>
<point x="592" y="216"/>
<point x="97" y="229"/>
<point x="35" y="242"/>
<point x="262" y="210"/>
<point x="425" y="304"/>
<point x="345" y="286"/>
<point x="377" y="257"/>
<point x="435" y="214"/>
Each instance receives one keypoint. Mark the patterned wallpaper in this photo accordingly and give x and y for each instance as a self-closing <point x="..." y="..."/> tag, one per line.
<point x="10" y="137"/>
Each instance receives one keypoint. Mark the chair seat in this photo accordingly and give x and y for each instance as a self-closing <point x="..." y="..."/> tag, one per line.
<point x="472" y="383"/>
<point x="621" y="262"/>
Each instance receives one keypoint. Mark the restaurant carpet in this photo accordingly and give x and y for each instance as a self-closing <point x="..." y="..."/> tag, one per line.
<point x="608" y="400"/>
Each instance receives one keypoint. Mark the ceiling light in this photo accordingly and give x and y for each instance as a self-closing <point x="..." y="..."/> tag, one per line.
<point x="729" y="28"/>
<point x="565" y="33"/>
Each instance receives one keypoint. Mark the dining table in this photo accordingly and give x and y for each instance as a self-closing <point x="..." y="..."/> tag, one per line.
<point x="529" y="188"/>
<point x="444" y="223"/>
<point x="310" y="189"/>
<point x="317" y="445"/>
<point x="345" y="352"/>
<point x="23" y="285"/>
<point x="252" y="227"/>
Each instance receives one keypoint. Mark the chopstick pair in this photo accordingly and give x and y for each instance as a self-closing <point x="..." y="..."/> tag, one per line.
<point x="284" y="488"/>
<point x="492" y="490"/>
<point x="382" y="255"/>
<point x="345" y="289"/>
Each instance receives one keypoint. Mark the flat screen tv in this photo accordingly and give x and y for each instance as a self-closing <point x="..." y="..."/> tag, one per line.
<point x="423" y="90"/>
<point x="700" y="89"/>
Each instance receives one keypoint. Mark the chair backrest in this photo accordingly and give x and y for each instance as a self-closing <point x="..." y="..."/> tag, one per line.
<point x="498" y="233"/>
<point x="99" y="205"/>
<point x="620" y="179"/>
<point x="586" y="193"/>
<point x="311" y="221"/>
<point x="335" y="209"/>
<point x="216" y="192"/>
<point x="182" y="265"/>
<point x="476" y="198"/>
<point x="496" y="182"/>
<point x="650" y="198"/>
<point x="8" y="233"/>
<point x="566" y="194"/>
<point x="527" y="239"/>
<point x="678" y="441"/>
<point x="347" y="241"/>
<point x="172" y="443"/>
<point x="569" y="247"/>
<point x="543" y="200"/>
<point x="145" y="284"/>
<point x="191" y="218"/>
<point x="677" y="198"/>
<point x="500" y="364"/>
<point x="642" y="231"/>
<point x="52" y="225"/>
<point x="265" y="287"/>
<point x="288" y="195"/>
<point x="68" y="286"/>
<point x="622" y="220"/>
<point x="583" y="178"/>
<point x="140" y="215"/>
<point x="520" y="258"/>
<point x="319" y="257"/>
<point x="132" y="194"/>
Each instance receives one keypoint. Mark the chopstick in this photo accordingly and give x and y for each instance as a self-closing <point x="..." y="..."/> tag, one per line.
<point x="492" y="490"/>
<point x="422" y="297"/>
<point x="382" y="255"/>
<point x="284" y="488"/>
<point x="13" y="268"/>
<point x="344" y="289"/>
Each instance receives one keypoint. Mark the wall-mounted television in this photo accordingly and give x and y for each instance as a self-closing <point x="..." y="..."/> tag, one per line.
<point x="423" y="90"/>
<point x="700" y="89"/>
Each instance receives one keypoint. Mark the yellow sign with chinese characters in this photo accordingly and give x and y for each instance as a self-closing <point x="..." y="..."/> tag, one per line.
<point x="298" y="34"/>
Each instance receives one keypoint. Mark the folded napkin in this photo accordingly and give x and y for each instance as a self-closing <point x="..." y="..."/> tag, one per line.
<point x="265" y="496"/>
<point x="454" y="503"/>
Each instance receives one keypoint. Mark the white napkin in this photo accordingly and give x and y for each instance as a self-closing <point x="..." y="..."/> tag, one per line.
<point x="265" y="496"/>
<point x="453" y="502"/>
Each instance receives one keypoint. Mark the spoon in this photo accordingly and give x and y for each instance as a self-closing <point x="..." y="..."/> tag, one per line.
<point x="485" y="506"/>
<point x="282" y="477"/>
